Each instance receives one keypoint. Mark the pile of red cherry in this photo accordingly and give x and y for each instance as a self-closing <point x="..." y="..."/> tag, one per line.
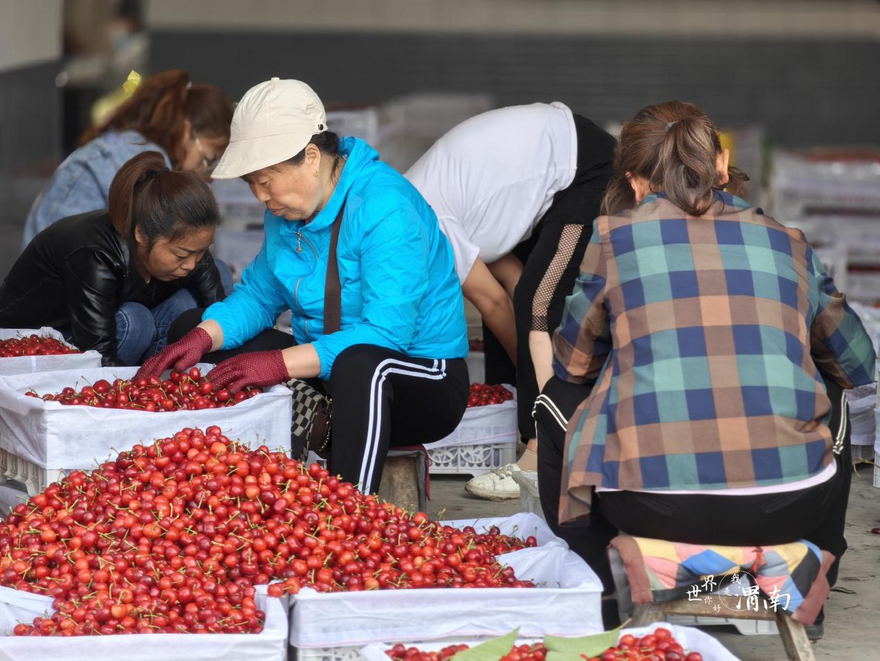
<point x="173" y="537"/>
<point x="482" y="394"/>
<point x="181" y="390"/>
<point x="536" y="652"/>
<point x="655" y="646"/>
<point x="34" y="345"/>
<point x="651" y="647"/>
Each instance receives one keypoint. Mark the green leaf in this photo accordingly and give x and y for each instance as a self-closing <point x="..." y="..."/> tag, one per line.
<point x="491" y="650"/>
<point x="578" y="649"/>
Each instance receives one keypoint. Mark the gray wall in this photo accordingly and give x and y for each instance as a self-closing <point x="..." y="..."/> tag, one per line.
<point x="805" y="93"/>
<point x="30" y="130"/>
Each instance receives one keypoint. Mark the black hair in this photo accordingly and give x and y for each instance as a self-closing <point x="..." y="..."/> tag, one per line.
<point x="162" y="203"/>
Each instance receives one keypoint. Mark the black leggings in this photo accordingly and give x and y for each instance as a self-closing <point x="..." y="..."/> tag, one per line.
<point x="381" y="399"/>
<point x="816" y="513"/>
<point x="551" y="259"/>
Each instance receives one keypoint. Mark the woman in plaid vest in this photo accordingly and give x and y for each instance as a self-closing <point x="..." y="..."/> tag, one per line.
<point x="698" y="362"/>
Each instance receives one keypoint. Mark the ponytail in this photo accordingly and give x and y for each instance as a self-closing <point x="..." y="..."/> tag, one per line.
<point x="162" y="204"/>
<point x="160" y="108"/>
<point x="674" y="146"/>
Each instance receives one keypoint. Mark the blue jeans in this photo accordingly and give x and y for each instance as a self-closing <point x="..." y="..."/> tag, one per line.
<point x="225" y="275"/>
<point x="141" y="332"/>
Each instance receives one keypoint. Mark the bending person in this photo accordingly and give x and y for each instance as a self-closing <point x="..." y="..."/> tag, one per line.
<point x="113" y="280"/>
<point x="516" y="191"/>
<point x="395" y="369"/>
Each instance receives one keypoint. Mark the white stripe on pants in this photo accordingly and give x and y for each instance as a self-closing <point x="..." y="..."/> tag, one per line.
<point x="386" y="367"/>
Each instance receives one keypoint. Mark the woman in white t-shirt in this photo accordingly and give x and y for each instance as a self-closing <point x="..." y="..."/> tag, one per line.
<point x="516" y="191"/>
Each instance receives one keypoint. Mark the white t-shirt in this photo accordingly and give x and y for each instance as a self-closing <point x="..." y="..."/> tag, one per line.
<point x="492" y="178"/>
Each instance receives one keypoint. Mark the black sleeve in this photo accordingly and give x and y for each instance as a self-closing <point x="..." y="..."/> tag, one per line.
<point x="204" y="282"/>
<point x="92" y="282"/>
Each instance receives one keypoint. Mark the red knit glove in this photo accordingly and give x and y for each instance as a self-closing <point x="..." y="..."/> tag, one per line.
<point x="261" y="369"/>
<point x="184" y="353"/>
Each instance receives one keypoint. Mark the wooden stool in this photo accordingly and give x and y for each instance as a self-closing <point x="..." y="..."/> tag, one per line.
<point x="794" y="636"/>
<point x="404" y="478"/>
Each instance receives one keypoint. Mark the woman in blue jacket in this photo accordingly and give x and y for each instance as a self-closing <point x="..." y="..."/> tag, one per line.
<point x="395" y="369"/>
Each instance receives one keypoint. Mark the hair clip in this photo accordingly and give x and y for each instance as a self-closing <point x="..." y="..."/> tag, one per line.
<point x="670" y="125"/>
<point x="131" y="83"/>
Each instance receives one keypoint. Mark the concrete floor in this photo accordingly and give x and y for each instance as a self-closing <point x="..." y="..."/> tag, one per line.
<point x="851" y="625"/>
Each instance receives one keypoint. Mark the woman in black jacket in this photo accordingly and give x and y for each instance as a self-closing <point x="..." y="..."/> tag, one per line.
<point x="113" y="280"/>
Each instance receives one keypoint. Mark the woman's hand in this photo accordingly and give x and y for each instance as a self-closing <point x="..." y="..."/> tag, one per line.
<point x="260" y="369"/>
<point x="183" y="354"/>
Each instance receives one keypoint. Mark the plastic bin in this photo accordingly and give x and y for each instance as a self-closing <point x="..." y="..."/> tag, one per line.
<point x="39" y="440"/>
<point x="268" y="645"/>
<point x="567" y="603"/>
<point x="484" y="440"/>
<point x="33" y="477"/>
<point x="692" y="640"/>
<point x="31" y="364"/>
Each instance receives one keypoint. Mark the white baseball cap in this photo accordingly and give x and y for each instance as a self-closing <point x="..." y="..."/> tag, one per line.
<point x="274" y="121"/>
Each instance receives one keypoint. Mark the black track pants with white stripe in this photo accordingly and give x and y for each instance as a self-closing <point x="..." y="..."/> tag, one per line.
<point x="383" y="398"/>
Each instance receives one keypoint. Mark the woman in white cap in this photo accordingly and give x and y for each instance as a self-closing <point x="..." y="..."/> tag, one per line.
<point x="395" y="368"/>
<point x="516" y="190"/>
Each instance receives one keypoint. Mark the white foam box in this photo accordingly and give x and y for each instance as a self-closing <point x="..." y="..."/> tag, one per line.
<point x="30" y="364"/>
<point x="485" y="439"/>
<point x="17" y="606"/>
<point x="567" y="602"/>
<point x="693" y="640"/>
<point x="53" y="437"/>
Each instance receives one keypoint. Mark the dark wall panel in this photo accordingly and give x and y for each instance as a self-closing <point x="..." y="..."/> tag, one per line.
<point x="30" y="140"/>
<point x="804" y="92"/>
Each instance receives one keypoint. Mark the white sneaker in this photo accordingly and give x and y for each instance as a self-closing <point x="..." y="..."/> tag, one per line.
<point x="495" y="485"/>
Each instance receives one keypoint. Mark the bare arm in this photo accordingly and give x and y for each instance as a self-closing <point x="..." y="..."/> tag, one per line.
<point x="541" y="349"/>
<point x="494" y="305"/>
<point x="507" y="270"/>
<point x="215" y="330"/>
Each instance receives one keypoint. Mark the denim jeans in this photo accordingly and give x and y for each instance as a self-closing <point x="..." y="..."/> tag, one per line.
<point x="225" y="275"/>
<point x="141" y="332"/>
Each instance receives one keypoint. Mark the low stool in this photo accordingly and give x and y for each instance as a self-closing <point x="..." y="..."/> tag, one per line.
<point x="794" y="637"/>
<point x="784" y="583"/>
<point x="405" y="478"/>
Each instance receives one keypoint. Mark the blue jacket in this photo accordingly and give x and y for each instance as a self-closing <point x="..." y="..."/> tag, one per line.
<point x="399" y="288"/>
<point x="82" y="182"/>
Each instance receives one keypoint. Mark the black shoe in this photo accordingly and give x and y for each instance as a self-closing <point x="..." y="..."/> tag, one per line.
<point x="815" y="632"/>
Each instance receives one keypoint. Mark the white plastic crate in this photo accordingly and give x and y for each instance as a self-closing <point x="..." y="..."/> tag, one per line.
<point x="33" y="477"/>
<point x="36" y="434"/>
<point x="472" y="459"/>
<point x="692" y="640"/>
<point x="10" y="497"/>
<point x="268" y="645"/>
<point x="30" y="364"/>
<point x="484" y="440"/>
<point x="567" y="603"/>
